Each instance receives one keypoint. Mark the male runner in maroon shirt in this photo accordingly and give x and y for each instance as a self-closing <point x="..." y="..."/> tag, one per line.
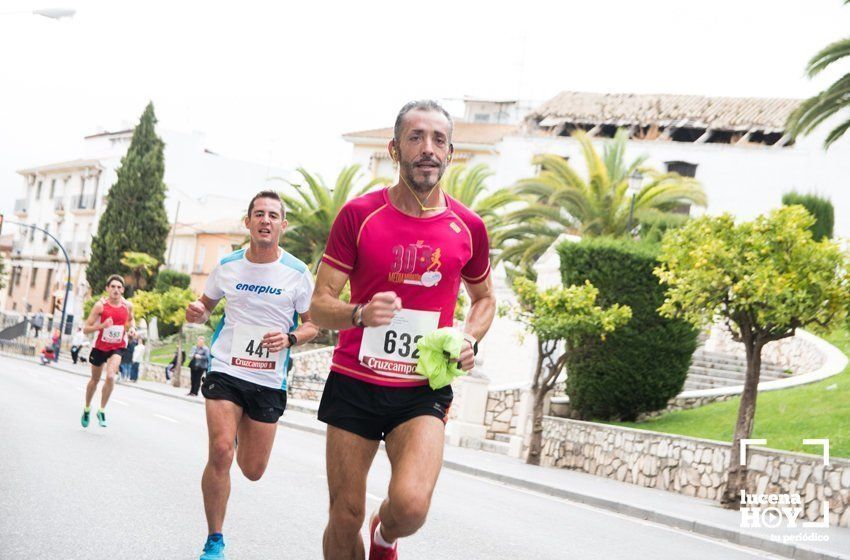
<point x="405" y="251"/>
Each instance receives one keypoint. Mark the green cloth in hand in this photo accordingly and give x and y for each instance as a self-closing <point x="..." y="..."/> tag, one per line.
<point x="435" y="350"/>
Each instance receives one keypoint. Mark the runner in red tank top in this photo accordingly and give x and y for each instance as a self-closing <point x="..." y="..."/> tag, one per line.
<point x="405" y="251"/>
<point x="112" y="319"/>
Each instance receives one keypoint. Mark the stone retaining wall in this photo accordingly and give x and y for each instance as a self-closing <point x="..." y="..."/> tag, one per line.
<point x="793" y="353"/>
<point x="695" y="467"/>
<point x="309" y="372"/>
<point x="502" y="411"/>
<point x="149" y="371"/>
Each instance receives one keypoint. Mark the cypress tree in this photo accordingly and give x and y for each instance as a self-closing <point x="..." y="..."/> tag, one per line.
<point x="134" y="218"/>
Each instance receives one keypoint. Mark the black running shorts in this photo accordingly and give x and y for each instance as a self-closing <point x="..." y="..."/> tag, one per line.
<point x="260" y="403"/>
<point x="372" y="411"/>
<point x="98" y="357"/>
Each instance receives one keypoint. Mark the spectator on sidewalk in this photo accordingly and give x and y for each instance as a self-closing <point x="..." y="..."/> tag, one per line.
<point x="77" y="343"/>
<point x="198" y="365"/>
<point x="126" y="366"/>
<point x="55" y="344"/>
<point x="47" y="355"/>
<point x="37" y="322"/>
<point x="170" y="367"/>
<point x="138" y="356"/>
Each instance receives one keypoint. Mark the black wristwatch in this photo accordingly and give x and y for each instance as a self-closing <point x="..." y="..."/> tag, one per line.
<point x="293" y="340"/>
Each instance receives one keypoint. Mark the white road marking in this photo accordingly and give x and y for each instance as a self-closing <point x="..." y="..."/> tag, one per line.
<point x="684" y="532"/>
<point x="374" y="497"/>
<point x="122" y="403"/>
<point x="166" y="418"/>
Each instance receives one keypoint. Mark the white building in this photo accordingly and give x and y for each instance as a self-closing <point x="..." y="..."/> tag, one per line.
<point x="736" y="147"/>
<point x="67" y="199"/>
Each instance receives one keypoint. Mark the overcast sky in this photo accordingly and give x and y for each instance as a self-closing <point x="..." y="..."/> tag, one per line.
<point x="279" y="82"/>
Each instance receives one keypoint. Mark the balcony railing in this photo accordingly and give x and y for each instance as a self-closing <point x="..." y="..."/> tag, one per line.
<point x="21" y="206"/>
<point x="84" y="202"/>
<point x="59" y="204"/>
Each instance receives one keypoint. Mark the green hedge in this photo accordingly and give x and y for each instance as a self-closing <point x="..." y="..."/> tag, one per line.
<point x="819" y="207"/>
<point x="639" y="367"/>
<point x="171" y="278"/>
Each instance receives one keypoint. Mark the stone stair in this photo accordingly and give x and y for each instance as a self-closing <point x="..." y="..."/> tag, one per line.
<point x="710" y="370"/>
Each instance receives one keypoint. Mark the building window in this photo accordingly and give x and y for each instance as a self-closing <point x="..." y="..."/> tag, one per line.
<point x="33" y="277"/>
<point x="46" y="230"/>
<point x="19" y="270"/>
<point x="38" y="190"/>
<point x="47" y="283"/>
<point x="52" y="188"/>
<point x="685" y="169"/>
<point x="481" y="117"/>
<point x="199" y="263"/>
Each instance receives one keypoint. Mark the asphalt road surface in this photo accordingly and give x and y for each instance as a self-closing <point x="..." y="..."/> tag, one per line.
<point x="132" y="491"/>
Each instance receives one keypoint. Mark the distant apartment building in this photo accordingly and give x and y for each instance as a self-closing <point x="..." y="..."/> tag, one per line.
<point x="68" y="198"/>
<point x="197" y="248"/>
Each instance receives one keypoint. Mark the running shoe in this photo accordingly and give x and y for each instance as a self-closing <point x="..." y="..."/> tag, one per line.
<point x="376" y="551"/>
<point x="101" y="418"/>
<point x="84" y="419"/>
<point x="213" y="549"/>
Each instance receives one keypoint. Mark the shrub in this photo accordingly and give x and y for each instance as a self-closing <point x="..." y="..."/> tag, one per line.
<point x="171" y="278"/>
<point x="644" y="363"/>
<point x="654" y="224"/>
<point x="819" y="207"/>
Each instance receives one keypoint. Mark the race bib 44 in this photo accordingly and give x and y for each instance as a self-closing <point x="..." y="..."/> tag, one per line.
<point x="247" y="349"/>
<point x="391" y="349"/>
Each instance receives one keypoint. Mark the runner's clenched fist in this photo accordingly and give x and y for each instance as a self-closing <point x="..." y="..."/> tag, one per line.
<point x="381" y="309"/>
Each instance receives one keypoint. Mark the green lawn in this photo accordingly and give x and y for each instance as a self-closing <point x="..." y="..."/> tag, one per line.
<point x="784" y="418"/>
<point x="164" y="354"/>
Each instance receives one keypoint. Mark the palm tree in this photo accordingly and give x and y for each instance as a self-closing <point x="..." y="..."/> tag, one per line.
<point x="558" y="200"/>
<point x="312" y="211"/>
<point x="142" y="267"/>
<point x="813" y="111"/>
<point x="467" y="185"/>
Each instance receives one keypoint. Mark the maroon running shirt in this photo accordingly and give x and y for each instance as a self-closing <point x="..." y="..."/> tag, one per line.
<point x="420" y="259"/>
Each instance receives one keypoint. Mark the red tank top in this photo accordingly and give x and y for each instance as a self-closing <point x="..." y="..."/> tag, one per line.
<point x="112" y="338"/>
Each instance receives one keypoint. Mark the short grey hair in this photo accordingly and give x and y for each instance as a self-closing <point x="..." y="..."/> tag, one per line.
<point x="421" y="105"/>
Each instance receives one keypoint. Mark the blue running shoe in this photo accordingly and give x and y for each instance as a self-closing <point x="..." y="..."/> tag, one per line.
<point x="84" y="419"/>
<point x="213" y="549"/>
<point x="101" y="418"/>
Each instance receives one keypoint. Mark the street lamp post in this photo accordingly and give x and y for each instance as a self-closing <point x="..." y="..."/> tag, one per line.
<point x="635" y="182"/>
<point x="67" y="281"/>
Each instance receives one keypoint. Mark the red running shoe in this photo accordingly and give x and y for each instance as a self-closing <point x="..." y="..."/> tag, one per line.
<point x="376" y="551"/>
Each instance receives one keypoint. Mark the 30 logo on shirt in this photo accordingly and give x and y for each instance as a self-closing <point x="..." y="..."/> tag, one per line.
<point x="417" y="264"/>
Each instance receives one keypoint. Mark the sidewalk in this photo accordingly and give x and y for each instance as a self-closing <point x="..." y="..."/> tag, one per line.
<point x="704" y="517"/>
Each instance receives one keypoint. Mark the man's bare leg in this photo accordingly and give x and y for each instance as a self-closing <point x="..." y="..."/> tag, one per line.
<point x="222" y="422"/>
<point x="91" y="387"/>
<point x="415" y="450"/>
<point x="112" y="365"/>
<point x="347" y="459"/>
<point x="255" y="446"/>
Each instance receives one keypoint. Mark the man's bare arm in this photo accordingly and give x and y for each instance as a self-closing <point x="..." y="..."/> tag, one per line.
<point x="482" y="308"/>
<point x="480" y="317"/>
<point x="326" y="310"/>
<point x="92" y="323"/>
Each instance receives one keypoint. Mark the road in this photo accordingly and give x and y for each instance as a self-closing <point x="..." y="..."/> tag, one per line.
<point x="132" y="490"/>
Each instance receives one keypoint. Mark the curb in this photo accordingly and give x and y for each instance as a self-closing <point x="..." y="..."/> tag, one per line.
<point x="693" y="525"/>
